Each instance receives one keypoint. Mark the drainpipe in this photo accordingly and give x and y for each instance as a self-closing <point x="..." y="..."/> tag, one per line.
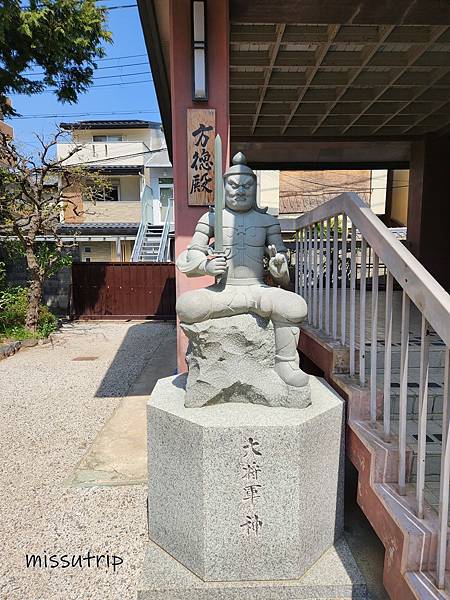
<point x="119" y="249"/>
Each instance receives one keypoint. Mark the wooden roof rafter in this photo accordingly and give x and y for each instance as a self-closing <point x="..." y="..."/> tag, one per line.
<point x="332" y="33"/>
<point x="268" y="74"/>
<point x="384" y="34"/>
<point x="426" y="116"/>
<point x="420" y="91"/>
<point x="412" y="59"/>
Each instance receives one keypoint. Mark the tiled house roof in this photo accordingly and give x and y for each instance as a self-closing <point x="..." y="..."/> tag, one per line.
<point x="112" y="124"/>
<point x="301" y="191"/>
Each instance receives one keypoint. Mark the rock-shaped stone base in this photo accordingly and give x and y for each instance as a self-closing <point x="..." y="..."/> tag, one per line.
<point x="231" y="359"/>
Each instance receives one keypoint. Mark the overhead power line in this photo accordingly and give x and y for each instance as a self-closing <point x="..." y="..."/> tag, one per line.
<point x="123" y="75"/>
<point x="99" y="6"/>
<point x="86" y="114"/>
<point x="117" y="7"/>
<point x="124" y="83"/>
<point x="51" y="90"/>
<point x="340" y="184"/>
<point x="138" y="64"/>
<point x="120" y="57"/>
<point x="110" y="158"/>
<point x="349" y="181"/>
<point x="318" y="194"/>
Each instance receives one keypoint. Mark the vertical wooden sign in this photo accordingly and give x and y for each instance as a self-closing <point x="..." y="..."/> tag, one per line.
<point x="201" y="131"/>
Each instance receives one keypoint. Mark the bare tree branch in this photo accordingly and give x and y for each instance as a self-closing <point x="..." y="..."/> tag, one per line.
<point x="33" y="193"/>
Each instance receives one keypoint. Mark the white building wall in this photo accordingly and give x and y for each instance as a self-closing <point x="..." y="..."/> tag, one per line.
<point x="145" y="147"/>
<point x="85" y="136"/>
<point x="268" y="190"/>
<point x="156" y="174"/>
<point x="138" y="147"/>
<point x="378" y="191"/>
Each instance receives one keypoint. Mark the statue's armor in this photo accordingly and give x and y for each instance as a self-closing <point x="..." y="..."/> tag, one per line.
<point x="246" y="236"/>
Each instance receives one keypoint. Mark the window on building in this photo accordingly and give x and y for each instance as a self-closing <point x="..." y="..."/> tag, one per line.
<point x="87" y="248"/>
<point x="165" y="180"/>
<point x="165" y="194"/>
<point x="107" y="138"/>
<point x="113" y="193"/>
<point x="110" y="195"/>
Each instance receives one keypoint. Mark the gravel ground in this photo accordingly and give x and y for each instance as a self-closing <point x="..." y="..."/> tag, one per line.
<point x="52" y="408"/>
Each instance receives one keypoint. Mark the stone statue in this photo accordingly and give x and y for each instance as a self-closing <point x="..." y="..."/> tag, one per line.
<point x="248" y="233"/>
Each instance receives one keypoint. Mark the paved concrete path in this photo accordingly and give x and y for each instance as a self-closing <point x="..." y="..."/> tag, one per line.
<point x="118" y="455"/>
<point x="54" y="401"/>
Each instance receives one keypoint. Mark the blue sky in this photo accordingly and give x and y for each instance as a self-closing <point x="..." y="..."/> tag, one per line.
<point x="123" y="96"/>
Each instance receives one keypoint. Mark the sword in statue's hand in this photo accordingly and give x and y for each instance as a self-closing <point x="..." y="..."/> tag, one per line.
<point x="217" y="250"/>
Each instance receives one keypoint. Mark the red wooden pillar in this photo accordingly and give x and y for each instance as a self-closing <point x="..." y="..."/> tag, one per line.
<point x="428" y="206"/>
<point x="217" y="31"/>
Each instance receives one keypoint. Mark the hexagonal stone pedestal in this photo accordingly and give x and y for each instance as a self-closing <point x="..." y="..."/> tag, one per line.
<point x="242" y="492"/>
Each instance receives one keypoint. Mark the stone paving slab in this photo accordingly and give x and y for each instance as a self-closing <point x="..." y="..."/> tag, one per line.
<point x="334" y="575"/>
<point x="118" y="455"/>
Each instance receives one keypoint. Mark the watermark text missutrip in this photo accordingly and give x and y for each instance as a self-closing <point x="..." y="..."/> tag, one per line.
<point x="88" y="560"/>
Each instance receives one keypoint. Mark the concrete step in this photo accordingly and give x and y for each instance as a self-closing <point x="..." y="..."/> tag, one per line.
<point x="435" y="404"/>
<point x="433" y="447"/>
<point x="436" y="356"/>
<point x="148" y="257"/>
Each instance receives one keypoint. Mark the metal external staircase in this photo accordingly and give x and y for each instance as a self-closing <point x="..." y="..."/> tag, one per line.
<point x="152" y="241"/>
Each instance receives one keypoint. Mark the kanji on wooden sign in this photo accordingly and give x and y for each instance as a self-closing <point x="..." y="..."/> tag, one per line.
<point x="201" y="131"/>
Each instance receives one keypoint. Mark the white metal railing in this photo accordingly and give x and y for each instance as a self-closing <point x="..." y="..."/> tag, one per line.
<point x="164" y="246"/>
<point x="146" y="212"/>
<point x="321" y="265"/>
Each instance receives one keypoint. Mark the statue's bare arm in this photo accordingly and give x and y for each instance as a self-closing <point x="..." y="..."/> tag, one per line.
<point x="278" y="265"/>
<point x="195" y="262"/>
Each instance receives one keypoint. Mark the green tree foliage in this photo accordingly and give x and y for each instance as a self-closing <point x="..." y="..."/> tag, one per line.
<point x="61" y="37"/>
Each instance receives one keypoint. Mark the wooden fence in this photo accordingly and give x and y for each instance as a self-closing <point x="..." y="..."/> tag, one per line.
<point x="107" y="290"/>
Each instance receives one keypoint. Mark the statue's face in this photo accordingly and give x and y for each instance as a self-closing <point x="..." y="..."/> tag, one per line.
<point x="240" y="192"/>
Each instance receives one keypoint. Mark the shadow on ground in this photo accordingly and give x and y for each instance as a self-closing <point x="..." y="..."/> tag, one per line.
<point x="147" y="353"/>
<point x="366" y="547"/>
<point x="118" y="455"/>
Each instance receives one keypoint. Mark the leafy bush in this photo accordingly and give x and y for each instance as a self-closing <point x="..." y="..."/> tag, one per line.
<point x="47" y="323"/>
<point x="19" y="332"/>
<point x="2" y="274"/>
<point x="13" y="308"/>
